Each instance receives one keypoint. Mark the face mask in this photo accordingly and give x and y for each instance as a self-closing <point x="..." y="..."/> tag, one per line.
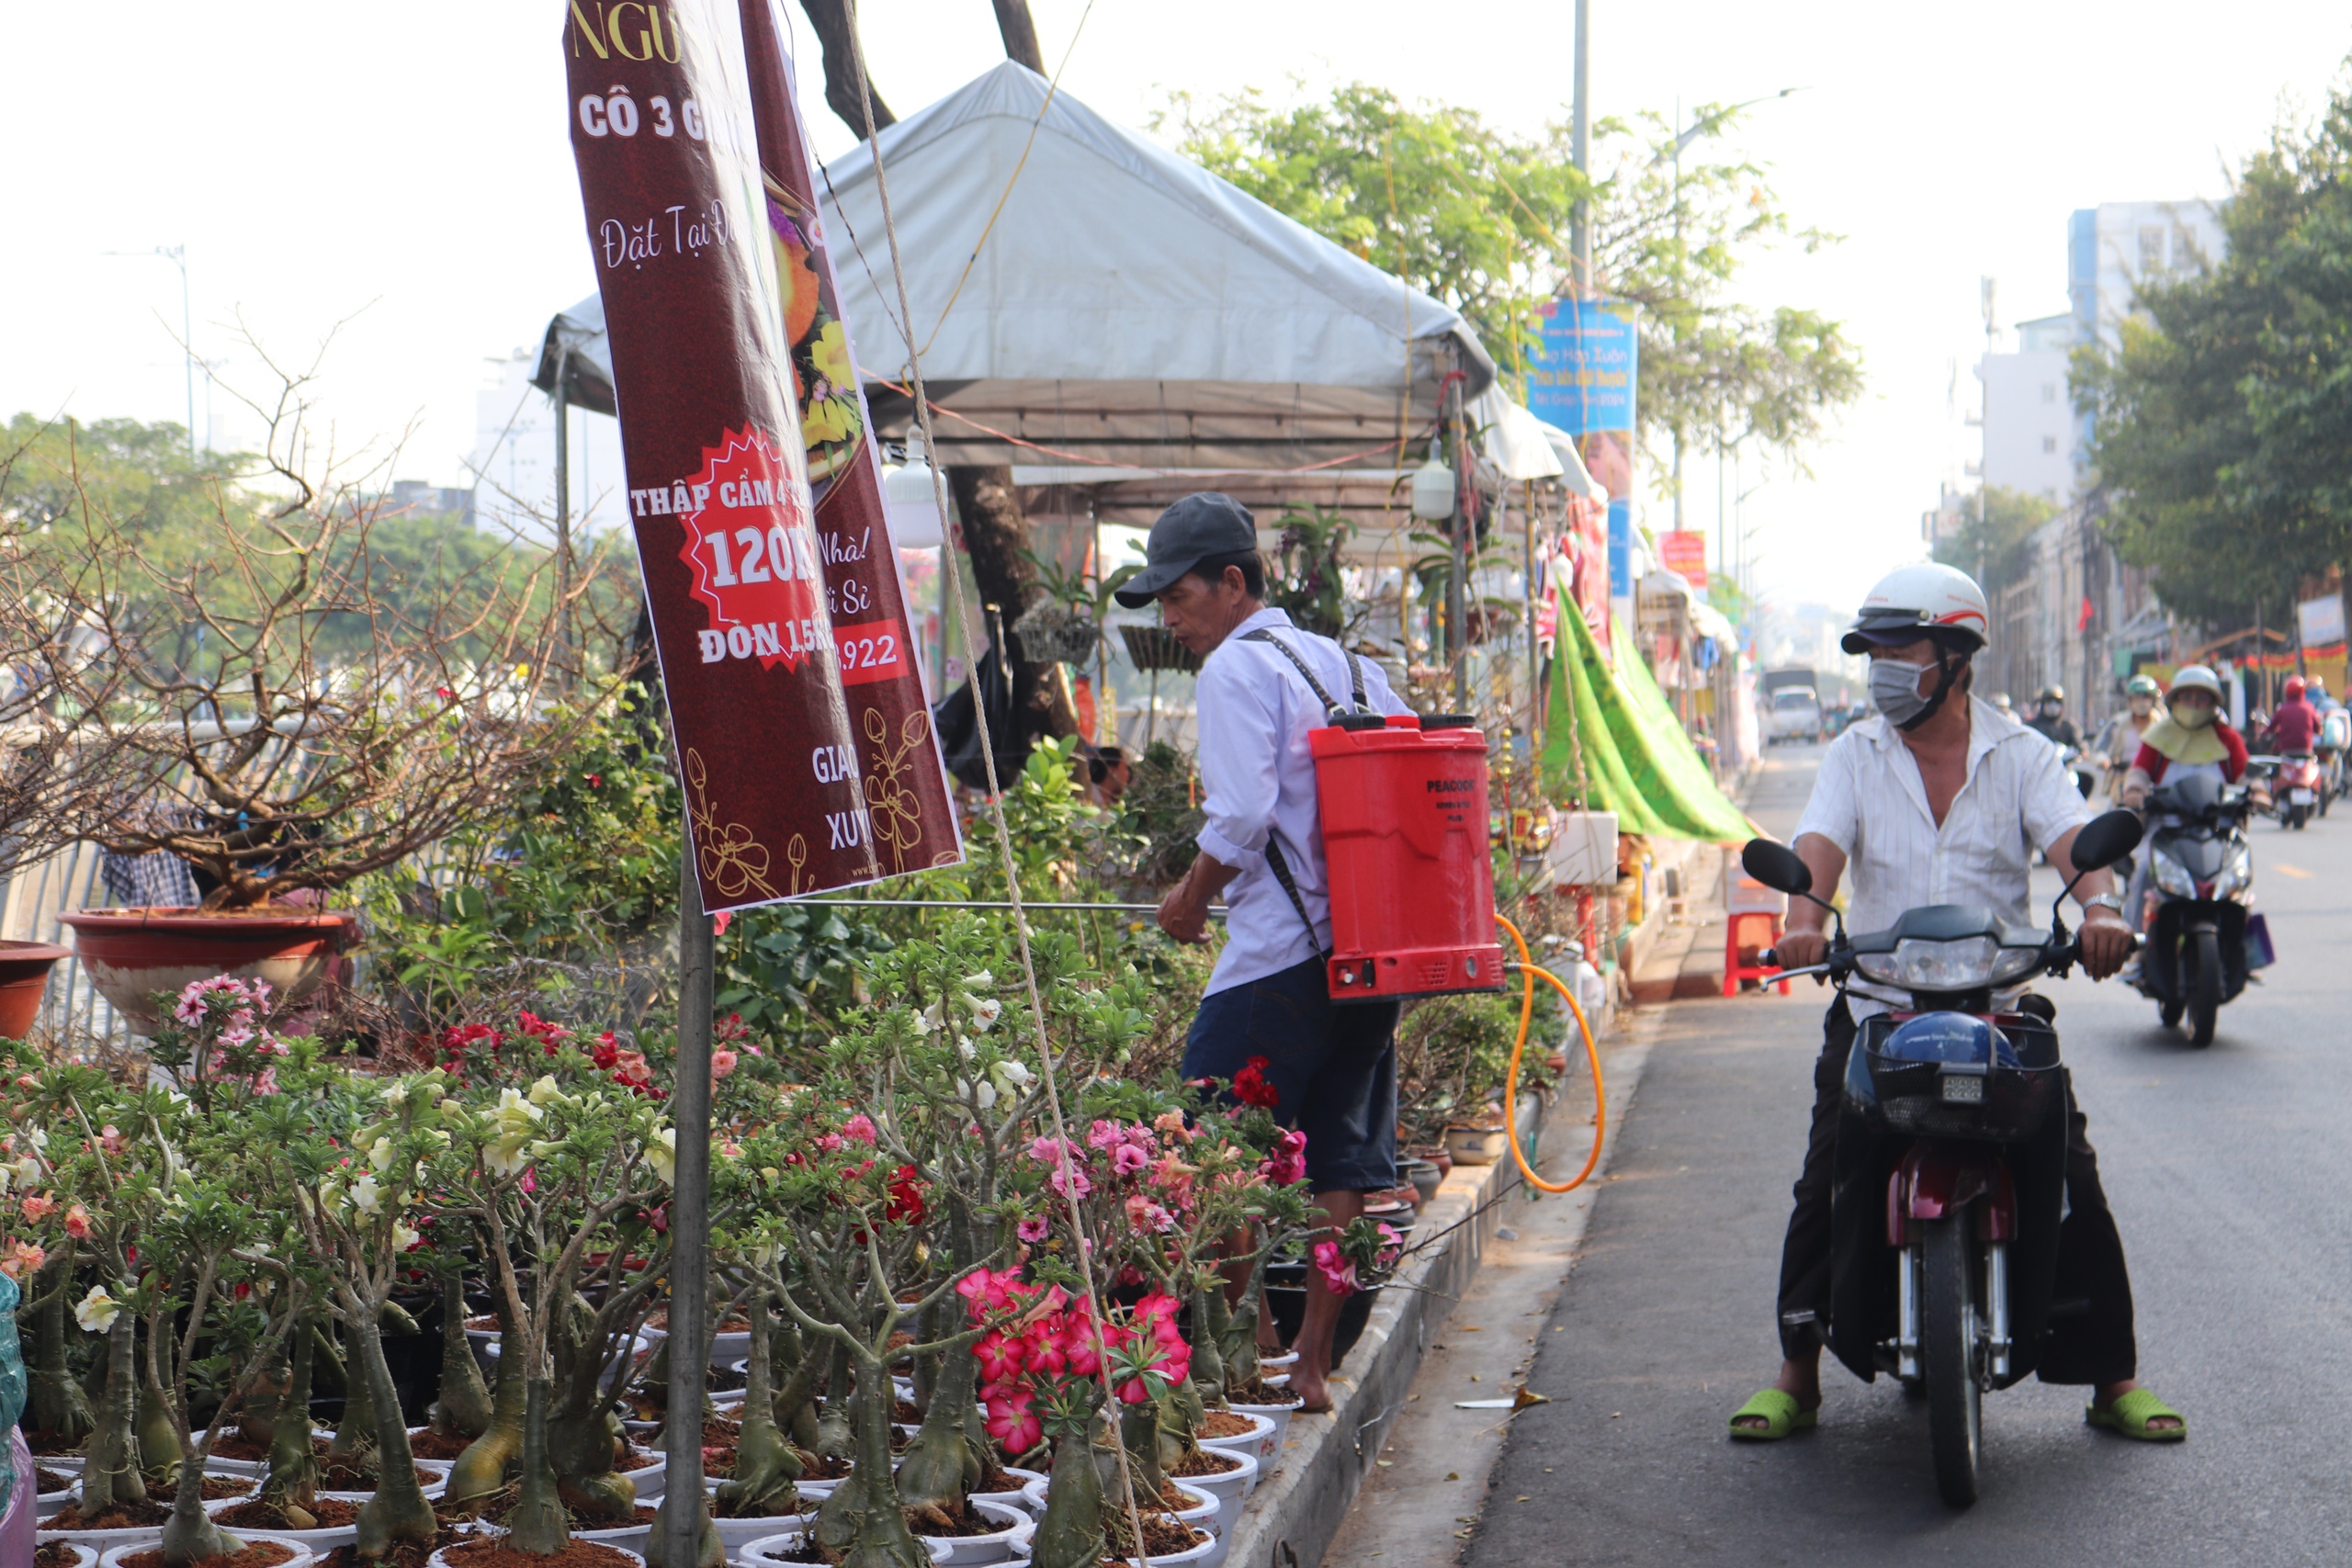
<point x="2142" y="708"/>
<point x="1895" y="687"/>
<point x="2190" y="717"/>
<point x="2052" y="710"/>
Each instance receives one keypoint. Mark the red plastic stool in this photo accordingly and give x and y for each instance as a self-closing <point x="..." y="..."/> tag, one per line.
<point x="1753" y="932"/>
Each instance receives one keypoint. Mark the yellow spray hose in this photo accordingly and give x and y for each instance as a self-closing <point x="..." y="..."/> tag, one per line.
<point x="1528" y="968"/>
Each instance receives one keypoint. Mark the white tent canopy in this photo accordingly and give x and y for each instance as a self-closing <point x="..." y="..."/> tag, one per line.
<point x="1125" y="306"/>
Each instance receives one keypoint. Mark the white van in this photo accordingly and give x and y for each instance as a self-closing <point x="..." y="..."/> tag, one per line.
<point x="1794" y="714"/>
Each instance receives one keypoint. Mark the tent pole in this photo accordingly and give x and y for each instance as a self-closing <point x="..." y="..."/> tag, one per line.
<point x="689" y="1210"/>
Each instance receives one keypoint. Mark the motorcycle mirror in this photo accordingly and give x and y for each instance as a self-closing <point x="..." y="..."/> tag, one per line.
<point x="2105" y="840"/>
<point x="1777" y="866"/>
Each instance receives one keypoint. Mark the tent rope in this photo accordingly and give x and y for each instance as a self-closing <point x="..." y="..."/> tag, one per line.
<point x="959" y="613"/>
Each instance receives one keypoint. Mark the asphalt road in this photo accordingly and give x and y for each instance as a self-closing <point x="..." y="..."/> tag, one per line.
<point x="2226" y="1168"/>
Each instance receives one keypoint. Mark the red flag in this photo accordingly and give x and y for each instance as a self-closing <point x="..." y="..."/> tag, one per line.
<point x="2083" y="616"/>
<point x="786" y="790"/>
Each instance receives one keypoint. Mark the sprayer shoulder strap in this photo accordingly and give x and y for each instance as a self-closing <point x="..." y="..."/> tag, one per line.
<point x="1276" y="861"/>
<point x="1358" y="702"/>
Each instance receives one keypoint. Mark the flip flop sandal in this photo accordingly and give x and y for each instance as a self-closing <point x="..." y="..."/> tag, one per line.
<point x="1779" y="1414"/>
<point x="2131" y="1414"/>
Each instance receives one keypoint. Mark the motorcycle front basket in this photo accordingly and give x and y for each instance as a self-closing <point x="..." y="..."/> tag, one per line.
<point x="2004" y="1089"/>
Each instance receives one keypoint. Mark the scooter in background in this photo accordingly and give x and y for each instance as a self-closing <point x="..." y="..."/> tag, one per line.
<point x="2298" y="791"/>
<point x="2203" y="938"/>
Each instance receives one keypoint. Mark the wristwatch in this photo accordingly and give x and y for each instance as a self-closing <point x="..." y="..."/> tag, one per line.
<point x="2103" y="901"/>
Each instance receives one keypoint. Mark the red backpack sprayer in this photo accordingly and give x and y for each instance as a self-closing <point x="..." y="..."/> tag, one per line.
<point x="1402" y="800"/>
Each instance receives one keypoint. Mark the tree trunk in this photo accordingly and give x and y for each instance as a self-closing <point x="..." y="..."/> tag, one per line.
<point x="159" y="1445"/>
<point x="535" y="1523"/>
<point x="61" y="1411"/>
<point x="863" y="1520"/>
<point x="582" y="1440"/>
<point x="111" y="1474"/>
<point x="354" y="1435"/>
<point x="766" y="1467"/>
<point x="1211" y="1322"/>
<point x="1070" y="1534"/>
<point x="710" y="1551"/>
<point x="835" y="1437"/>
<point x="1139" y="1430"/>
<point x="398" y="1512"/>
<point x="1019" y="31"/>
<point x="831" y="19"/>
<point x="482" y="1469"/>
<point x="996" y="535"/>
<point x="943" y="1464"/>
<point x="293" y="1463"/>
<point x="191" y="1535"/>
<point x="463" y="1408"/>
<point x="794" y="1412"/>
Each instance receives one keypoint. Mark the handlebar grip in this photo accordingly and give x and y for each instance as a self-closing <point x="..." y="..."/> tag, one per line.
<point x="1769" y="958"/>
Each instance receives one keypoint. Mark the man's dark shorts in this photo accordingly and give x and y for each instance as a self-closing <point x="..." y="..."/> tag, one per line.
<point x="1334" y="1067"/>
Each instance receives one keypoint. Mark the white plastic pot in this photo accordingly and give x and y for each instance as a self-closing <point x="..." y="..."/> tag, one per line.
<point x="969" y="1551"/>
<point x="84" y="1556"/>
<point x="615" y="1376"/>
<point x="630" y="1537"/>
<point x="320" y="1542"/>
<point x="1280" y="1414"/>
<point x="649" y="1480"/>
<point x="303" y="1557"/>
<point x="736" y="1534"/>
<point x="1263" y="1443"/>
<point x="1233" y="1485"/>
<point x="767" y="1552"/>
<point x="439" y="1559"/>
<point x="1014" y="1497"/>
<point x="726" y="1350"/>
<point x="1202" y="1515"/>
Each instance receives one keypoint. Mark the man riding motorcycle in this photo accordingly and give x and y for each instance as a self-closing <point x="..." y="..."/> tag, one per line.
<point x="2294" y="728"/>
<point x="2049" y="722"/>
<point x="2118" y="742"/>
<point x="1942" y="799"/>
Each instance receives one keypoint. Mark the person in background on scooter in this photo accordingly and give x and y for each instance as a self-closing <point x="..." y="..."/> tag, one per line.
<point x="2294" y="728"/>
<point x="2192" y="736"/>
<point x="1940" y="799"/>
<point x="2335" y="733"/>
<point x="2049" y="722"/>
<point x="2118" y="743"/>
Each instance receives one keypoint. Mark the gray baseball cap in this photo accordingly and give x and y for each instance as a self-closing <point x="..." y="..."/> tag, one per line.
<point x="1204" y="523"/>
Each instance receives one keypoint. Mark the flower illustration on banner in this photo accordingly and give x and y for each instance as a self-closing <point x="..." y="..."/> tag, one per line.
<point x="896" y="810"/>
<point x="752" y="544"/>
<point x="728" y="856"/>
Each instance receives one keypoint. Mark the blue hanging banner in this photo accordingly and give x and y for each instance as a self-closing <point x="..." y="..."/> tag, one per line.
<point x="1582" y="380"/>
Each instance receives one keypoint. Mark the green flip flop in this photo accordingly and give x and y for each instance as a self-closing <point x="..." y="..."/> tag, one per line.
<point x="1780" y="1415"/>
<point x="2131" y="1414"/>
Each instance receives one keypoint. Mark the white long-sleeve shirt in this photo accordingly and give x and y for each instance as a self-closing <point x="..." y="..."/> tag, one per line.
<point x="1254" y="713"/>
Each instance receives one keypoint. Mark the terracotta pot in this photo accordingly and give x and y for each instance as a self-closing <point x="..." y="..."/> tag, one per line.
<point x="133" y="953"/>
<point x="24" y="977"/>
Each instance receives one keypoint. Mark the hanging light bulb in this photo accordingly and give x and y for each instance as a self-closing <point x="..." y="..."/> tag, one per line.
<point x="1434" y="491"/>
<point x="910" y="499"/>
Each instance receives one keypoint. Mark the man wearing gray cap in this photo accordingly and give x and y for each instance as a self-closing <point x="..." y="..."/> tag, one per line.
<point x="1264" y="684"/>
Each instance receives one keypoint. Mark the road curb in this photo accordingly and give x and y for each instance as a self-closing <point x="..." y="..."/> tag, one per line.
<point x="1291" y="1518"/>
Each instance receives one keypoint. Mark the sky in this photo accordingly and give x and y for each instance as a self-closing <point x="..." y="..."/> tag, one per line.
<point x="386" y="193"/>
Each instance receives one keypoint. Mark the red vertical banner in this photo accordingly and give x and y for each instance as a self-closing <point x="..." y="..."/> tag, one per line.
<point x="741" y="577"/>
<point x="906" y="780"/>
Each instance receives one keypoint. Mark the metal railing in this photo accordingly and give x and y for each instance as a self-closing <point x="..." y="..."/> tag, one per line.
<point x="31" y="900"/>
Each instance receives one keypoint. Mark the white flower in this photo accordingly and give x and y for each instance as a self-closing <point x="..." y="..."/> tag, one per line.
<point x="97" y="1312"/>
<point x="1012" y="1076"/>
<point x="515" y="1114"/>
<point x="985" y="1010"/>
<point x="402" y="1237"/>
<point x="965" y="1048"/>
<point x="39" y="1138"/>
<point x="662" y="1153"/>
<point x="27" y="1170"/>
<point x="931" y="1018"/>
<point x="367" y="1196"/>
<point x="979" y="982"/>
<point x="982" y="1094"/>
<point x="395" y="1093"/>
<point x="379" y="1154"/>
<point x="505" y="1156"/>
<point x="451" y="1108"/>
<point x="545" y="1092"/>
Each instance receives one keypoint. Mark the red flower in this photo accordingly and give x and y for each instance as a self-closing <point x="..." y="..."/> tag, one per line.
<point x="906" y="1197"/>
<point x="1000" y="1355"/>
<point x="1250" y="1088"/>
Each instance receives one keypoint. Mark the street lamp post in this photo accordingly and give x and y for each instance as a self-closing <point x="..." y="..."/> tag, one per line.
<point x="177" y="256"/>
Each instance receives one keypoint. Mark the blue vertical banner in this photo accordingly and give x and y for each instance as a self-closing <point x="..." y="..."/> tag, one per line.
<point x="1582" y="380"/>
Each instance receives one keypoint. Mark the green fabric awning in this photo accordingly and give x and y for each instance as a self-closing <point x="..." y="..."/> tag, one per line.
<point x="1637" y="762"/>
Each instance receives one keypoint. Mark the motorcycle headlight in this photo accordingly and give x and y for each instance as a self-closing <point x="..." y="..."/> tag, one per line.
<point x="2173" y="877"/>
<point x="2236" y="872"/>
<point x="1920" y="965"/>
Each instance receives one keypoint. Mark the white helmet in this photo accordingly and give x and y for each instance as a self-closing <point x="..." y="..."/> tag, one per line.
<point x="1915" y="600"/>
<point x="2194" y="678"/>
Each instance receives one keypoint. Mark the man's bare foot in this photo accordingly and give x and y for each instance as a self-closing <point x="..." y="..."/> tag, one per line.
<point x="1314" y="1394"/>
<point x="1800" y="1380"/>
<point x="2107" y="1394"/>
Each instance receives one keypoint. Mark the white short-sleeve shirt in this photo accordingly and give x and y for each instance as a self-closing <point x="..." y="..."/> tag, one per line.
<point x="1870" y="802"/>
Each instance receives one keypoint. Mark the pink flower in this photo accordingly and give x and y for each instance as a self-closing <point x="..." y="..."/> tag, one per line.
<point x="1127" y="1160"/>
<point x="111" y="1138"/>
<point x="38" y="1207"/>
<point x="1045" y="1150"/>
<point x="830" y="1142"/>
<point x="1172" y="1123"/>
<point x="78" y="1222"/>
<point x="1339" y="1271"/>
<point x="985" y="1291"/>
<point x="721" y="1064"/>
<point x="1068" y="1177"/>
<point x="1392" y="1241"/>
<point x="1012" y="1422"/>
<point x="1106" y="1134"/>
<point x="1080" y="1353"/>
<point x="1287" y="1164"/>
<point x="1001" y="1356"/>
<point x="860" y="1127"/>
<point x="23" y="1261"/>
<point x="1031" y="1231"/>
<point x="266" y="1082"/>
<point x="1147" y="1216"/>
<point x="1047" y="1356"/>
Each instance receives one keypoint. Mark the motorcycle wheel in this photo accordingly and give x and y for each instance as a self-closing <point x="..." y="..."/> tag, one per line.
<point x="2205" y="989"/>
<point x="1949" y="1355"/>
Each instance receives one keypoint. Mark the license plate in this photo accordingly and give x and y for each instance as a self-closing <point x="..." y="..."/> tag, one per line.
<point x="1963" y="1089"/>
<point x="2301" y="797"/>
